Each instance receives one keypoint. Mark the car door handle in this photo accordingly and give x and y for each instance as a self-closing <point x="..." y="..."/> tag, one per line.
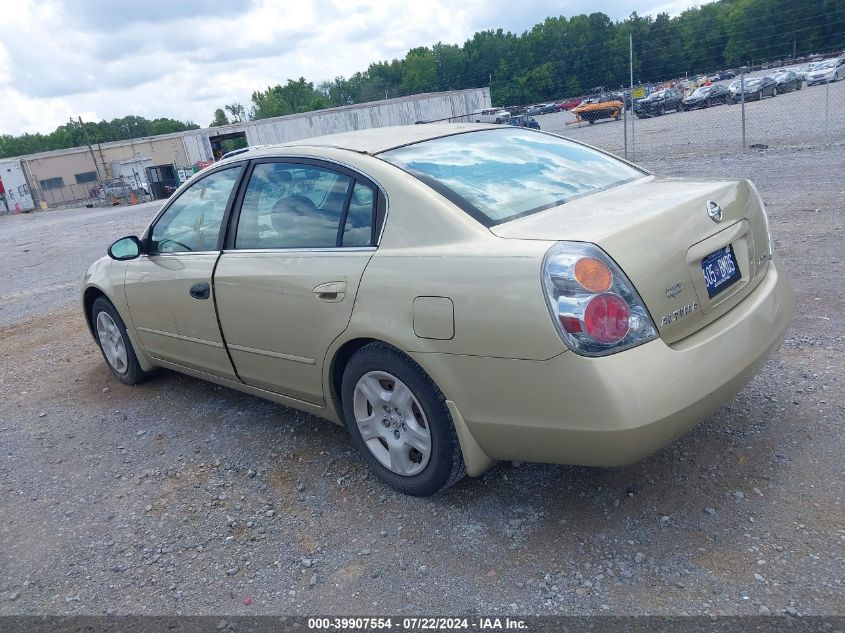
<point x="200" y="291"/>
<point x="330" y="292"/>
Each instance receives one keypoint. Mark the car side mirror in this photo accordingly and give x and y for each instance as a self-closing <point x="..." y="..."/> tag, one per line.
<point x="125" y="248"/>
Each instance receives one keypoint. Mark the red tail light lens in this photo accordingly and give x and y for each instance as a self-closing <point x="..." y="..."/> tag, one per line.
<point x="606" y="318"/>
<point x="595" y="307"/>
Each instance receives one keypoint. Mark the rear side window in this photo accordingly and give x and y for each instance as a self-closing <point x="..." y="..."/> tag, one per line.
<point x="499" y="175"/>
<point x="289" y="205"/>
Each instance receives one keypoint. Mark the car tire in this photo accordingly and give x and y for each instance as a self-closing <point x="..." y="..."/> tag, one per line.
<point x="434" y="461"/>
<point x="117" y="350"/>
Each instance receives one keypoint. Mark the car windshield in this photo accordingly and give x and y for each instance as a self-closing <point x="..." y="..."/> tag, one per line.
<point x="753" y="83"/>
<point x="499" y="175"/>
<point x="829" y="64"/>
<point x="700" y="92"/>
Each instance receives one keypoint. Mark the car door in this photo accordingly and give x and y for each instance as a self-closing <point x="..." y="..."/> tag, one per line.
<point x="169" y="288"/>
<point x="287" y="280"/>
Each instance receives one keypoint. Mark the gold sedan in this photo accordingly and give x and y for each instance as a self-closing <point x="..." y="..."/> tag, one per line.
<point x="453" y="294"/>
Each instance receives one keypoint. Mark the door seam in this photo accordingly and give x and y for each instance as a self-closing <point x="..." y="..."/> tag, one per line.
<point x="217" y="318"/>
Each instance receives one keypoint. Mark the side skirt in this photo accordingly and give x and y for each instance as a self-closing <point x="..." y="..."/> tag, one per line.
<point x="320" y="411"/>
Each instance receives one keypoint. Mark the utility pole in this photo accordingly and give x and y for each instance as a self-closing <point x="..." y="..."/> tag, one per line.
<point x="135" y="175"/>
<point x="126" y="127"/>
<point x="742" y="72"/>
<point x="90" y="149"/>
<point x="631" y="67"/>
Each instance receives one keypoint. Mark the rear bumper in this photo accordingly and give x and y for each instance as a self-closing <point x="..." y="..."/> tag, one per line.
<point x="616" y="409"/>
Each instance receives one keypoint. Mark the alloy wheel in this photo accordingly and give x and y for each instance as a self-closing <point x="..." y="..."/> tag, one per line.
<point x="112" y="343"/>
<point x="392" y="423"/>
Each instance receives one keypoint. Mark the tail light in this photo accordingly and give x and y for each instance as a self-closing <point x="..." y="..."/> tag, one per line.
<point x="595" y="308"/>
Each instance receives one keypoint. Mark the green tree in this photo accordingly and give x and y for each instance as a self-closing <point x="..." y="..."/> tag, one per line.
<point x="237" y="112"/>
<point x="420" y="72"/>
<point x="219" y="118"/>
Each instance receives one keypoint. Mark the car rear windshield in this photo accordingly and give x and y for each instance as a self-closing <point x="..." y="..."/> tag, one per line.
<point x="500" y="175"/>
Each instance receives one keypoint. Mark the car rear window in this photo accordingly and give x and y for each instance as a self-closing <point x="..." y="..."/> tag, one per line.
<point x="500" y="175"/>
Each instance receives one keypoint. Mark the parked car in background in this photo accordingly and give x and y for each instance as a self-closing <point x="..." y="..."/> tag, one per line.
<point x="568" y="104"/>
<point x="524" y="120"/>
<point x="424" y="330"/>
<point x="827" y="72"/>
<point x="755" y="89"/>
<point x="807" y="69"/>
<point x="727" y="74"/>
<point x="787" y="80"/>
<point x="706" y="96"/>
<point x="658" y="103"/>
<point x="490" y="115"/>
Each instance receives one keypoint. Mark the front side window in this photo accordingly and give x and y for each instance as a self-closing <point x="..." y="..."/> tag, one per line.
<point x="288" y="205"/>
<point x="499" y="175"/>
<point x="192" y="222"/>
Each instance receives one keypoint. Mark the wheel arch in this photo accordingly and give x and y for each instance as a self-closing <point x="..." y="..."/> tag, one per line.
<point x="475" y="459"/>
<point x="89" y="296"/>
<point x="338" y="363"/>
<point x="93" y="292"/>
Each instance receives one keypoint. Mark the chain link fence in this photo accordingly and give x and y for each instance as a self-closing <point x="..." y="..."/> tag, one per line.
<point x="102" y="193"/>
<point x="782" y="107"/>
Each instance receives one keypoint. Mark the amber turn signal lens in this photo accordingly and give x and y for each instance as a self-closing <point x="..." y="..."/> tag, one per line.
<point x="593" y="274"/>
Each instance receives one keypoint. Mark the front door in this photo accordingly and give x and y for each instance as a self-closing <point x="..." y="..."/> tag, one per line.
<point x="169" y="290"/>
<point x="286" y="287"/>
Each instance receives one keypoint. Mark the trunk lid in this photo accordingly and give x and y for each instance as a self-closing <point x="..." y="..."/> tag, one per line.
<point x="658" y="231"/>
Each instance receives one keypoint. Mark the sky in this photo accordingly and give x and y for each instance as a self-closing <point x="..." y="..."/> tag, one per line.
<point x="102" y="59"/>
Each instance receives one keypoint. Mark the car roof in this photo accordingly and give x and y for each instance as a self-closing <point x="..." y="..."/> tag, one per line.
<point x="377" y="140"/>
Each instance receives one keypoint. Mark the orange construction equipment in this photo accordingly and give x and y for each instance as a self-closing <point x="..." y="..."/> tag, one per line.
<point x="591" y="110"/>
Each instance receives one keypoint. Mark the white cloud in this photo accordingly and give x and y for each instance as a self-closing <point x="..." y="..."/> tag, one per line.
<point x="183" y="59"/>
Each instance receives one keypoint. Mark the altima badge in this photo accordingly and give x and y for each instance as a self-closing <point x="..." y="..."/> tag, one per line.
<point x="679" y="313"/>
<point x="714" y="211"/>
<point x="674" y="291"/>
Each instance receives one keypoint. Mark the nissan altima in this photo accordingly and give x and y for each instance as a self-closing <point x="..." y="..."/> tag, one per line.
<point x="453" y="294"/>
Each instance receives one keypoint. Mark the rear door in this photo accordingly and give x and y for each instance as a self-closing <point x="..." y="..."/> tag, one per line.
<point x="169" y="291"/>
<point x="286" y="282"/>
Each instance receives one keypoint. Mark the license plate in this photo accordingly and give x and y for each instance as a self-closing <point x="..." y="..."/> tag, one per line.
<point x="720" y="270"/>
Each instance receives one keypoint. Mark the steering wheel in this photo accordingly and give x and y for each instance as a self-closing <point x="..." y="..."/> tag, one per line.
<point x="167" y="240"/>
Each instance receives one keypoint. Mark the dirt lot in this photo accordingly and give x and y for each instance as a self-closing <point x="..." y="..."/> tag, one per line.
<point x="179" y="496"/>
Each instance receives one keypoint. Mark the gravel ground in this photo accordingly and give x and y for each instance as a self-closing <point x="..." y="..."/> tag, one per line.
<point x="178" y="496"/>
